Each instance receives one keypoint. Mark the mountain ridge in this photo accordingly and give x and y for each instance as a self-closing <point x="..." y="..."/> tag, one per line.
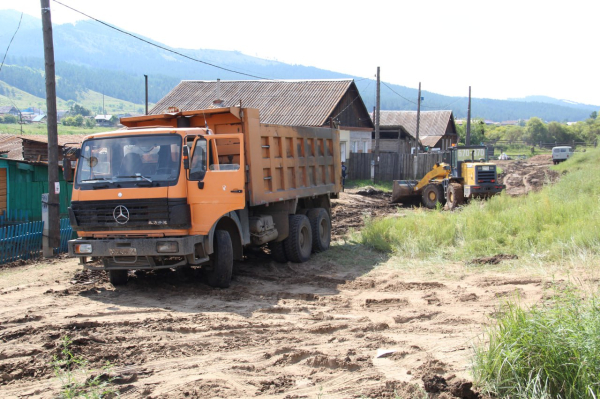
<point x="92" y="56"/>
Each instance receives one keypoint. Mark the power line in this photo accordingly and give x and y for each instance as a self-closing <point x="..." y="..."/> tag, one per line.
<point x="11" y="40"/>
<point x="424" y="106"/>
<point x="159" y="46"/>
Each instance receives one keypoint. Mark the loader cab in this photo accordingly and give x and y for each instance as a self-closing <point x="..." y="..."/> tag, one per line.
<point x="457" y="156"/>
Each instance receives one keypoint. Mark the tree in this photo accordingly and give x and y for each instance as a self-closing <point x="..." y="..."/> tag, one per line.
<point x="77" y="109"/>
<point x="10" y="119"/>
<point x="536" y="131"/>
<point x="90" y="123"/>
<point x="594" y="115"/>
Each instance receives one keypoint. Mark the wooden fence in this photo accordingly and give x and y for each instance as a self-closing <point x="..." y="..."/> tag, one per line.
<point x="392" y="166"/>
<point x="24" y="241"/>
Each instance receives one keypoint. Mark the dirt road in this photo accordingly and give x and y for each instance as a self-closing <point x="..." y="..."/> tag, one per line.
<point x="522" y="176"/>
<point x="349" y="323"/>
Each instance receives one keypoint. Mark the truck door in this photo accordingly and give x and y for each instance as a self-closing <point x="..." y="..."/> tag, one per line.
<point x="216" y="183"/>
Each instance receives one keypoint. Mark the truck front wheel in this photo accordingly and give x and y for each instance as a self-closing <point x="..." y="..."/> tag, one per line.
<point x="117" y="277"/>
<point x="222" y="261"/>
<point x="456" y="195"/>
<point x="432" y="195"/>
<point x="298" y="245"/>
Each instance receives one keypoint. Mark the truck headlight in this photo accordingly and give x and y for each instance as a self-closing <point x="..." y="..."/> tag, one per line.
<point x="167" y="247"/>
<point x="82" y="248"/>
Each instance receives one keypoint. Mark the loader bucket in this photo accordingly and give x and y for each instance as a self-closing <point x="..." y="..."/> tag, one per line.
<point x="404" y="190"/>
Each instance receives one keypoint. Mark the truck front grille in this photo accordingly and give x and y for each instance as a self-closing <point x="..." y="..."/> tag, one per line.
<point x="487" y="176"/>
<point x="139" y="214"/>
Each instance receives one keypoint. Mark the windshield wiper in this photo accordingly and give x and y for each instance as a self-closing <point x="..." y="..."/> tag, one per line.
<point x="135" y="176"/>
<point x="98" y="179"/>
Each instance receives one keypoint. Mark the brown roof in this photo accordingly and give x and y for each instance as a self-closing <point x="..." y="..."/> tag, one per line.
<point x="429" y="141"/>
<point x="432" y="123"/>
<point x="11" y="145"/>
<point x="281" y="102"/>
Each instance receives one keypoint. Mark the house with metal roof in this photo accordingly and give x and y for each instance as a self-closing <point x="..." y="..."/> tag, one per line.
<point x="8" y="110"/>
<point x="398" y="130"/>
<point x="317" y="103"/>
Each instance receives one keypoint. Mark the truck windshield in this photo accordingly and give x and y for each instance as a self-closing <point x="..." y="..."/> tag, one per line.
<point x="129" y="160"/>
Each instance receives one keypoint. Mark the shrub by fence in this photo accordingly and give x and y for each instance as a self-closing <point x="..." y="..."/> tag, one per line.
<point x="24" y="240"/>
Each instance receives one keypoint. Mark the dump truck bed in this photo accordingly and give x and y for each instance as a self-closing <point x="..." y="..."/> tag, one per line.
<point x="282" y="162"/>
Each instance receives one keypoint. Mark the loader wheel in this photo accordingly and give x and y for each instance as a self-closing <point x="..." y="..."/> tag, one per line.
<point x="222" y="261"/>
<point x="321" y="229"/>
<point x="432" y="195"/>
<point x="455" y="195"/>
<point x="117" y="277"/>
<point x="278" y="251"/>
<point x="298" y="245"/>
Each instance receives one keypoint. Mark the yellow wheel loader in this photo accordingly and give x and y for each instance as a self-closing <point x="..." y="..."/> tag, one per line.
<point x="465" y="173"/>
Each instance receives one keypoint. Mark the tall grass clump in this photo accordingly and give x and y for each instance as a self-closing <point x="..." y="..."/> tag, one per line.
<point x="549" y="351"/>
<point x="561" y="220"/>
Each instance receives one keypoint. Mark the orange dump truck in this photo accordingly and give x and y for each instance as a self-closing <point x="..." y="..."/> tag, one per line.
<point x="195" y="188"/>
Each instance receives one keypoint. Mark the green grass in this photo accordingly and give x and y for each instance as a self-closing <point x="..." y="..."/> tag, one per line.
<point x="549" y="351"/>
<point x="42" y="128"/>
<point x="356" y="184"/>
<point x="561" y="221"/>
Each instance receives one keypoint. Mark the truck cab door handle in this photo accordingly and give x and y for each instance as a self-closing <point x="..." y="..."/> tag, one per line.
<point x="236" y="191"/>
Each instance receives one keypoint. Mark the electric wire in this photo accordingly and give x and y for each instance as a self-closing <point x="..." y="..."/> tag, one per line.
<point x="11" y="40"/>
<point x="159" y="46"/>
<point x="422" y="106"/>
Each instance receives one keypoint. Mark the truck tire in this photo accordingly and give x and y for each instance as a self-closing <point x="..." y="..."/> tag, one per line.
<point x="117" y="277"/>
<point x="455" y="195"/>
<point x="222" y="261"/>
<point x="321" y="229"/>
<point x="432" y="195"/>
<point x="298" y="245"/>
<point x="278" y="251"/>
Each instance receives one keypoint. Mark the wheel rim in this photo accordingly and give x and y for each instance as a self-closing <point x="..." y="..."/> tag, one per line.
<point x="432" y="195"/>
<point x="322" y="229"/>
<point x="304" y="238"/>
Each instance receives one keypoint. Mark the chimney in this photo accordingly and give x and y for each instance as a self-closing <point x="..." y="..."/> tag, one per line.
<point x="218" y="103"/>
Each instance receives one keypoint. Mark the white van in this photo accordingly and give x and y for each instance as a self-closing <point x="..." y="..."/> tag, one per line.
<point x="560" y="154"/>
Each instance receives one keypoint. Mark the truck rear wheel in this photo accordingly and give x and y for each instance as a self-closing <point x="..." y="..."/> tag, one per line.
<point x="278" y="251"/>
<point x="432" y="195"/>
<point x="321" y="229"/>
<point x="298" y="245"/>
<point x="222" y="261"/>
<point x="117" y="277"/>
<point x="455" y="195"/>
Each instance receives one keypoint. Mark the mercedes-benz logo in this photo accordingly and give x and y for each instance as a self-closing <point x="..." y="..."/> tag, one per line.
<point x="121" y="214"/>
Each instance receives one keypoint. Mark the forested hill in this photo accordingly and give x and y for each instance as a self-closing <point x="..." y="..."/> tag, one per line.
<point x="90" y="56"/>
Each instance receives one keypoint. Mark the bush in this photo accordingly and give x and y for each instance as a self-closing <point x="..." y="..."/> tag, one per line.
<point x="10" y="119"/>
<point x="549" y="351"/>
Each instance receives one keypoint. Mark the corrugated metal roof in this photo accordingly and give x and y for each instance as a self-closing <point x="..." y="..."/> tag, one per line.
<point x="432" y="123"/>
<point x="11" y="145"/>
<point x="430" y="141"/>
<point x="281" y="102"/>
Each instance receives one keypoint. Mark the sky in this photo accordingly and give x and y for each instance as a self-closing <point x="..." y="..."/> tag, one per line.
<point x="502" y="49"/>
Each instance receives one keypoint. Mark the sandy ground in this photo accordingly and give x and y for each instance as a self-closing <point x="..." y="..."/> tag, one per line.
<point x="349" y="323"/>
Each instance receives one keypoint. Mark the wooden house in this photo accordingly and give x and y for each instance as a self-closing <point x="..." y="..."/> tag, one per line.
<point x="398" y="130"/>
<point x="315" y="103"/>
<point x="24" y="175"/>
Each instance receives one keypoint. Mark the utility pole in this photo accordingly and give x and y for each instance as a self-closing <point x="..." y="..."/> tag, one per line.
<point x="377" y="114"/>
<point x="51" y="238"/>
<point x="468" y="139"/>
<point x="146" y="78"/>
<point x="416" y="159"/>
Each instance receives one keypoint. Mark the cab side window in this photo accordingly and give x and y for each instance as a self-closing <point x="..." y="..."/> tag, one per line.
<point x="199" y="160"/>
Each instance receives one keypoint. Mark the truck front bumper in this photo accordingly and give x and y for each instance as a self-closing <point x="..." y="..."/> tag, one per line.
<point x="140" y="253"/>
<point x="483" y="190"/>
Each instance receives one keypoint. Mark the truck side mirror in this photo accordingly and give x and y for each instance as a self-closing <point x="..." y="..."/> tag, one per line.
<point x="186" y="157"/>
<point x="67" y="171"/>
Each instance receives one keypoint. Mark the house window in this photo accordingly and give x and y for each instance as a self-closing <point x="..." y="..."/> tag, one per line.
<point x="365" y="146"/>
